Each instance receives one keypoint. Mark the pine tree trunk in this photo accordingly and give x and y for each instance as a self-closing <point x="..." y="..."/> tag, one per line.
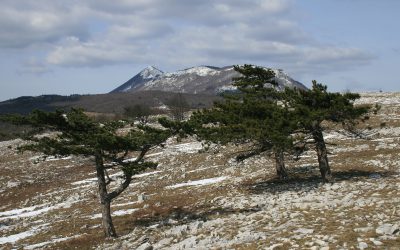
<point x="107" y="223"/>
<point x="322" y="153"/>
<point x="105" y="203"/>
<point x="280" y="165"/>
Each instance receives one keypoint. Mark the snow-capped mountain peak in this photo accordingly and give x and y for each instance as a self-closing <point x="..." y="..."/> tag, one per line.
<point x="150" y="72"/>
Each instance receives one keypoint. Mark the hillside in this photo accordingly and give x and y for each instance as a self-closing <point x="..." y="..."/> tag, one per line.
<point x="101" y="103"/>
<point x="206" y="200"/>
<point x="25" y="104"/>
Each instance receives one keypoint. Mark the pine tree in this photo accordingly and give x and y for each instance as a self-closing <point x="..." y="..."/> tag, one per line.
<point x="313" y="107"/>
<point x="256" y="113"/>
<point x="78" y="134"/>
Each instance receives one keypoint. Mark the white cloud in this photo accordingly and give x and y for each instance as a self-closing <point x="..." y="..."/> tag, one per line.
<point x="170" y="33"/>
<point x="75" y="53"/>
<point x="275" y="6"/>
<point x="24" y="24"/>
<point x="323" y="54"/>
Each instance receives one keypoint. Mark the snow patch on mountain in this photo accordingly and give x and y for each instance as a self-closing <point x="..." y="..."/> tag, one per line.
<point x="283" y="79"/>
<point x="150" y="72"/>
<point x="200" y="71"/>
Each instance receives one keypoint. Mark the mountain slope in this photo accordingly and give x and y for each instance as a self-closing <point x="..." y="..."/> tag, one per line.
<point x="202" y="79"/>
<point x="145" y="75"/>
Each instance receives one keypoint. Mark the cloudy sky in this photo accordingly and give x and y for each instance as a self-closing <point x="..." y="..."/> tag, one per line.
<point x="92" y="46"/>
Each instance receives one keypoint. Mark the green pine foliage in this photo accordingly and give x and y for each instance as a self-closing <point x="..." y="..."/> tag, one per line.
<point x="319" y="105"/>
<point x="79" y="134"/>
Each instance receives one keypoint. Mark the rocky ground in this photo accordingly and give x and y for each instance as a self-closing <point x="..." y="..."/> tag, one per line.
<point x="200" y="199"/>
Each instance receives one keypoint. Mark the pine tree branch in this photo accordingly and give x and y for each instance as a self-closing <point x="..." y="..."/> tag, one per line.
<point x="121" y="188"/>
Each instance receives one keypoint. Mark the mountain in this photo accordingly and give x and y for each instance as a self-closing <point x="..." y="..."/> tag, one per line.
<point x="202" y="79"/>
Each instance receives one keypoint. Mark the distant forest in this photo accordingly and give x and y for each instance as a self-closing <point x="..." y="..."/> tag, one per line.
<point x="102" y="103"/>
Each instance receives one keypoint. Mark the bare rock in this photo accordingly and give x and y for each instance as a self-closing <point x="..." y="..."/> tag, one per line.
<point x="362" y="229"/>
<point x="304" y="231"/>
<point x="145" y="246"/>
<point x="142" y="197"/>
<point x="376" y="242"/>
<point x="387" y="229"/>
<point x="362" y="245"/>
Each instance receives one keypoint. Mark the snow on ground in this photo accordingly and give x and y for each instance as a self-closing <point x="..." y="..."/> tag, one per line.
<point x="19" y="236"/>
<point x="335" y="135"/>
<point x="118" y="175"/>
<point x="85" y="181"/>
<point x="61" y="191"/>
<point x="16" y="237"/>
<point x="202" y="169"/>
<point x="116" y="213"/>
<point x="124" y="204"/>
<point x="154" y="154"/>
<point x="53" y="241"/>
<point x="146" y="174"/>
<point x="19" y="211"/>
<point x="189" y="148"/>
<point x="198" y="182"/>
<point x="32" y="211"/>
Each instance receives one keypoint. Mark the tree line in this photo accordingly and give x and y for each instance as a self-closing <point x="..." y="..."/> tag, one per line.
<point x="276" y="122"/>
